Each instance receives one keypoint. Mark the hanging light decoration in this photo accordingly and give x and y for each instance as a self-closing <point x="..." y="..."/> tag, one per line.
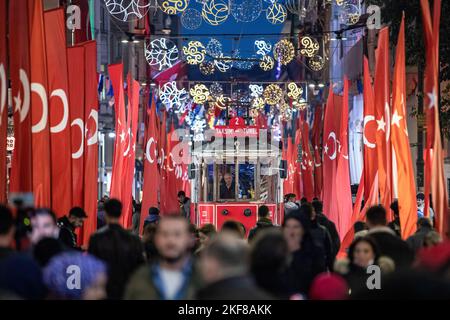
<point x="267" y="63"/>
<point x="294" y="91"/>
<point x="223" y="63"/>
<point x="127" y="10"/>
<point x="173" y="6"/>
<point x="222" y="102"/>
<point x="191" y="19"/>
<point x="284" y="51"/>
<point x="276" y="13"/>
<point x="256" y="90"/>
<point x="207" y="68"/>
<point x="263" y="47"/>
<point x="214" y="48"/>
<point x="194" y="52"/>
<point x="215" y="90"/>
<point x="161" y="53"/>
<point x="199" y="93"/>
<point x="316" y="63"/>
<point x="258" y="103"/>
<point x="171" y="96"/>
<point x="215" y="12"/>
<point x="273" y="94"/>
<point x="246" y="10"/>
<point x="309" y="46"/>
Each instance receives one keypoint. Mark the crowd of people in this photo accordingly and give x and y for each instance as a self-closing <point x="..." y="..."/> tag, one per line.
<point x="174" y="259"/>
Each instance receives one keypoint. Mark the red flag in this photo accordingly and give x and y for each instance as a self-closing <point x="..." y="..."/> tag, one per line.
<point x="116" y="76"/>
<point x="76" y="70"/>
<point x="3" y="100"/>
<point x="58" y="86"/>
<point x="400" y="143"/>
<point x="162" y="144"/>
<point x="21" y="171"/>
<point x="383" y="113"/>
<point x="316" y="140"/>
<point x="39" y="108"/>
<point x="91" y="140"/>
<point x="130" y="151"/>
<point x="343" y="191"/>
<point x="434" y="160"/>
<point x="369" y="134"/>
<point x="151" y="174"/>
<point x="289" y="185"/>
<point x="307" y="164"/>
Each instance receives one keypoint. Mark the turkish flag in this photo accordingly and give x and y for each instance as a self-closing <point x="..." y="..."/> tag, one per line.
<point x="91" y="140"/>
<point x="307" y="164"/>
<point x="400" y="143"/>
<point x="331" y="130"/>
<point x="382" y="114"/>
<point x="76" y="72"/>
<point x="369" y="133"/>
<point x="435" y="176"/>
<point x="39" y="108"/>
<point x="130" y="151"/>
<point x="289" y="185"/>
<point x="151" y="172"/>
<point x="58" y="88"/>
<point x="317" y="146"/>
<point x="343" y="190"/>
<point x="21" y="179"/>
<point x="117" y="175"/>
<point x="162" y="155"/>
<point x="3" y="99"/>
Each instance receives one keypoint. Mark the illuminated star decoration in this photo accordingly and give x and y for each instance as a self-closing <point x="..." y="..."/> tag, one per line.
<point x="161" y="53"/>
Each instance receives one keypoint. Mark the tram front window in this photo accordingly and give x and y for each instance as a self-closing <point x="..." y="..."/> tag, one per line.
<point x="246" y="181"/>
<point x="227" y="182"/>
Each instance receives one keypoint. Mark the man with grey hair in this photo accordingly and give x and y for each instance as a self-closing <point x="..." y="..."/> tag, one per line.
<point x="224" y="265"/>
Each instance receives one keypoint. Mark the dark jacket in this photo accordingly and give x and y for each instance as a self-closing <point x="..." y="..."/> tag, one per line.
<point x="142" y="284"/>
<point x="263" y="223"/>
<point x="122" y="251"/>
<point x="395" y="226"/>
<point x="234" y="288"/>
<point x="185" y="208"/>
<point x="331" y="227"/>
<point x="67" y="233"/>
<point x="415" y="241"/>
<point x="322" y="239"/>
<point x="392" y="246"/>
<point x="356" y="279"/>
<point x="305" y="265"/>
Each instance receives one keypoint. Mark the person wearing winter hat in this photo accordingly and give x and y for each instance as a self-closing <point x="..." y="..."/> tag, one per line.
<point x="329" y="286"/>
<point x="76" y="276"/>
<point x="153" y="216"/>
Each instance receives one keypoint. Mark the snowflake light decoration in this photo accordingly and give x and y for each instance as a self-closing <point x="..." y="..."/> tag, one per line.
<point x="198" y="125"/>
<point x="309" y="47"/>
<point x="295" y="91"/>
<point x="263" y="47"/>
<point x="191" y="19"/>
<point x="246" y="10"/>
<point x="255" y="90"/>
<point x="194" y="52"/>
<point x="127" y="10"/>
<point x="161" y="53"/>
<point x="215" y="90"/>
<point x="173" y="6"/>
<point x="267" y="63"/>
<point x="207" y="68"/>
<point x="276" y="13"/>
<point x="199" y="93"/>
<point x="273" y="94"/>
<point x="171" y="96"/>
<point x="215" y="12"/>
<point x="284" y="51"/>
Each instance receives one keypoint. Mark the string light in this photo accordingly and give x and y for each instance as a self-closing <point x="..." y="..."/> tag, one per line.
<point x="284" y="51"/>
<point x="273" y="94"/>
<point x="207" y="68"/>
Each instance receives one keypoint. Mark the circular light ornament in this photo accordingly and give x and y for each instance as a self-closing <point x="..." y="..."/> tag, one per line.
<point x="273" y="94"/>
<point x="263" y="47"/>
<point x="207" y="68"/>
<point x="194" y="52"/>
<point x="351" y="14"/>
<point x="215" y="90"/>
<point x="199" y="93"/>
<point x="255" y="90"/>
<point x="276" y="13"/>
<point x="284" y="51"/>
<point x="127" y="10"/>
<point x="267" y="63"/>
<point x="242" y="63"/>
<point x="214" y="48"/>
<point x="161" y="53"/>
<point x="246" y="10"/>
<point x="223" y="63"/>
<point x="309" y="47"/>
<point x="191" y="19"/>
<point x="258" y="103"/>
<point x="215" y="12"/>
<point x="171" y="96"/>
<point x="173" y="7"/>
<point x="316" y="63"/>
<point x="294" y="91"/>
<point x="222" y="102"/>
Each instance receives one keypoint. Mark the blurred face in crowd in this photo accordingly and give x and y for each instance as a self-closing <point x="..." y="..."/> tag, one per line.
<point x="420" y="202"/>
<point x="97" y="291"/>
<point x="228" y="179"/>
<point x="363" y="255"/>
<point x="43" y="226"/>
<point x="203" y="238"/>
<point x="293" y="233"/>
<point x="172" y="239"/>
<point x="76" y="221"/>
